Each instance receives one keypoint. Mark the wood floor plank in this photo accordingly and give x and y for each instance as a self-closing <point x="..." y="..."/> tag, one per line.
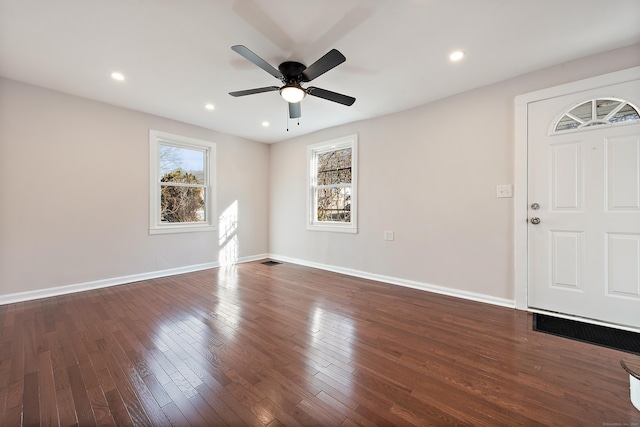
<point x="47" y="391"/>
<point x="207" y="412"/>
<point x="31" y="400"/>
<point x="66" y="407"/>
<point x="4" y="315"/>
<point x="81" y="400"/>
<point x="174" y="416"/>
<point x="16" y="373"/>
<point x="349" y="413"/>
<point x="290" y="345"/>
<point x="125" y="391"/>
<point x="102" y="372"/>
<point x="281" y="415"/>
<point x="186" y="407"/>
<point x="12" y="417"/>
<point x="5" y="369"/>
<point x="118" y="409"/>
<point x="15" y="395"/>
<point x="99" y="404"/>
<point x="212" y="398"/>
<point x="157" y="391"/>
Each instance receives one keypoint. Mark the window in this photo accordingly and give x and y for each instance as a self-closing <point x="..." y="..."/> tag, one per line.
<point x="182" y="184"/>
<point x="332" y="204"/>
<point x="597" y="112"/>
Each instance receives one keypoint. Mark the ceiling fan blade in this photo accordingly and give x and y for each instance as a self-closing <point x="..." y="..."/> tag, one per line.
<point x="330" y="60"/>
<point x="252" y="57"/>
<point x="294" y="110"/>
<point x="253" y="91"/>
<point x="331" y="96"/>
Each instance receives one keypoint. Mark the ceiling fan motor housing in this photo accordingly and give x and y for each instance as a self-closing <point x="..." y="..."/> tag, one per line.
<point x="292" y="72"/>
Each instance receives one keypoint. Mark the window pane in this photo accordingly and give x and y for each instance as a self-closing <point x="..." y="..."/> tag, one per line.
<point x="583" y="111"/>
<point x="182" y="165"/>
<point x="627" y="113"/>
<point x="182" y="204"/>
<point x="605" y="106"/>
<point x="566" y="123"/>
<point x="334" y="167"/>
<point x="334" y="204"/>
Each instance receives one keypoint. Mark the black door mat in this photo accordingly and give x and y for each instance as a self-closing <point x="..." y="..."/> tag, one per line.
<point x="616" y="339"/>
<point x="270" y="263"/>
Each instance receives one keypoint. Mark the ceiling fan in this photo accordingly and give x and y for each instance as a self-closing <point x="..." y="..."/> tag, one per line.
<point x="292" y="74"/>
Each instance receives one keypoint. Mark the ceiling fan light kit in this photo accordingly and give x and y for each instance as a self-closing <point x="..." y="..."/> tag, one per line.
<point x="292" y="74"/>
<point x="292" y="93"/>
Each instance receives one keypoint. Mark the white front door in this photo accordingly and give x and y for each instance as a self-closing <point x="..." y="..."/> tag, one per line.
<point x="584" y="188"/>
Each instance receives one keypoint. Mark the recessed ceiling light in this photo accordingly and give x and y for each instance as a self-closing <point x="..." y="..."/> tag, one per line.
<point x="265" y="124"/>
<point x="209" y="106"/>
<point x="117" y="76"/>
<point x="457" y="55"/>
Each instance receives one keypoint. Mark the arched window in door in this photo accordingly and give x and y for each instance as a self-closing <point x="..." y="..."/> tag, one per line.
<point x="596" y="112"/>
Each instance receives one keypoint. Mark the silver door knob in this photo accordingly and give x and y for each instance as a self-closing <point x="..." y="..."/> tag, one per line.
<point x="535" y="220"/>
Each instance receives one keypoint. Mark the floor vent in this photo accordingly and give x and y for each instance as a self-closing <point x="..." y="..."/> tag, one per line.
<point x="270" y="263"/>
<point x="616" y="339"/>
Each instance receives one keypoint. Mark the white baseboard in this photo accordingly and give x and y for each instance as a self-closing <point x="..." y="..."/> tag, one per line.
<point x="104" y="283"/>
<point x="503" y="302"/>
<point x="79" y="287"/>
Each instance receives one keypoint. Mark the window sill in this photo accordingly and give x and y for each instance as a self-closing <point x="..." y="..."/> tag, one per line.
<point x="333" y="228"/>
<point x="182" y="229"/>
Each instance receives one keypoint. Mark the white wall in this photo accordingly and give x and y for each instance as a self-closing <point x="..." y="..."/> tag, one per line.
<point x="430" y="175"/>
<point x="74" y="198"/>
<point x="74" y="203"/>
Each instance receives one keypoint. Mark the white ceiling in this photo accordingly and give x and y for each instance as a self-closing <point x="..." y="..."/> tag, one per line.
<point x="176" y="53"/>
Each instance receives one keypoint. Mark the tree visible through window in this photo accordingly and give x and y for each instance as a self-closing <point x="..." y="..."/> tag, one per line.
<point x="332" y="185"/>
<point x="182" y="184"/>
<point x="182" y="190"/>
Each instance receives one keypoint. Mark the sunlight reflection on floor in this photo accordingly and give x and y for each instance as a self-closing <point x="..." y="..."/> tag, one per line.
<point x="228" y="238"/>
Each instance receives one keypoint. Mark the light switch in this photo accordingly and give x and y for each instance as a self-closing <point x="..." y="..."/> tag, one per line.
<point x="388" y="235"/>
<point x="505" y="190"/>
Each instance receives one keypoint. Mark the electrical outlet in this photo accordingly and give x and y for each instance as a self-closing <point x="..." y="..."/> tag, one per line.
<point x="388" y="235"/>
<point x="505" y="190"/>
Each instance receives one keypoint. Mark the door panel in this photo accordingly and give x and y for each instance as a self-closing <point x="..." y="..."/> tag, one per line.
<point x="566" y="179"/>
<point x="584" y="254"/>
<point x="567" y="260"/>
<point x="623" y="170"/>
<point x="623" y="265"/>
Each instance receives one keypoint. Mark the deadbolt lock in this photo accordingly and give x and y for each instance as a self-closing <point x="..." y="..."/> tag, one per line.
<point x="535" y="206"/>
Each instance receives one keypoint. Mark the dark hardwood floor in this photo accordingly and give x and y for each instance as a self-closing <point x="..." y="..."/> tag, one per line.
<point x="289" y="345"/>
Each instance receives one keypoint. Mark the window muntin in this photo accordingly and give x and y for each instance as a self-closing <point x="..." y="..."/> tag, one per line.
<point x="181" y="184"/>
<point x="332" y="185"/>
<point x="597" y="112"/>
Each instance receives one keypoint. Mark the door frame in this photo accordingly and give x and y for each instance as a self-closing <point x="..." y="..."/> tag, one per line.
<point x="520" y="208"/>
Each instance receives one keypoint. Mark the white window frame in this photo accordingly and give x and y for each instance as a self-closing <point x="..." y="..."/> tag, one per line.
<point x="313" y="224"/>
<point x="156" y="226"/>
